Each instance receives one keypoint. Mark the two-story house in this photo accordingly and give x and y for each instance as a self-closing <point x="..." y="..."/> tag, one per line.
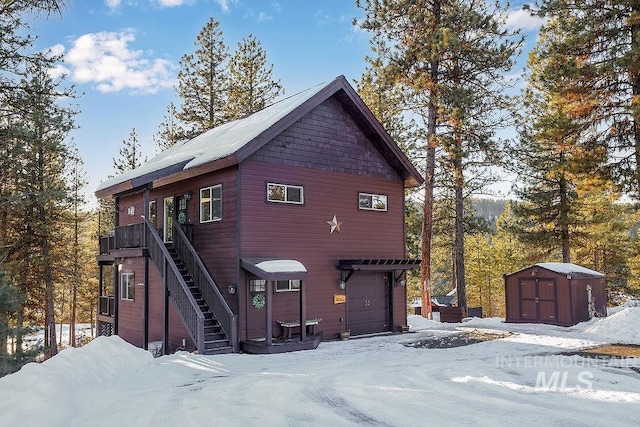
<point x="228" y="241"/>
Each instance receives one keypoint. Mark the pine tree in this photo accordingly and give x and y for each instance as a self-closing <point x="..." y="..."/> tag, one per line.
<point x="251" y="83"/>
<point x="43" y="127"/>
<point x="600" y="39"/>
<point x="203" y="82"/>
<point x="451" y="55"/>
<point x="170" y="131"/>
<point x="558" y="147"/>
<point x="130" y="154"/>
<point x="386" y="98"/>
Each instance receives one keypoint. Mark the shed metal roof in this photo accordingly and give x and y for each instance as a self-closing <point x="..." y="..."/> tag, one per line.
<point x="234" y="141"/>
<point x="569" y="269"/>
<point x="565" y="268"/>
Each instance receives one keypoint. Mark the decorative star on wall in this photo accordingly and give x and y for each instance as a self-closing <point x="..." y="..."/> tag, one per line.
<point x="335" y="225"/>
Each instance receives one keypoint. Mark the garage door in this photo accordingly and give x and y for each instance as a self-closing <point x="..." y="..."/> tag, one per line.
<point x="368" y="303"/>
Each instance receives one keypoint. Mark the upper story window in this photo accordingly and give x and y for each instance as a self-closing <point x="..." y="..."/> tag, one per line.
<point x="127" y="286"/>
<point x="372" y="202"/>
<point x="211" y="203"/>
<point x="281" y="193"/>
<point x="287" y="285"/>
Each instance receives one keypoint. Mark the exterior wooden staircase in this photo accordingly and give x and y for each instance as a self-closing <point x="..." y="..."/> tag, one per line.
<point x="206" y="315"/>
<point x="215" y="340"/>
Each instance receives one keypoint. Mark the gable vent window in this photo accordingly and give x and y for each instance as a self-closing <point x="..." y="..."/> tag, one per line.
<point x="211" y="203"/>
<point x="372" y="202"/>
<point x="281" y="193"/>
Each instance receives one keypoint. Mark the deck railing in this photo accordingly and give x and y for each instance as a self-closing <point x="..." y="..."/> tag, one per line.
<point x="180" y="293"/>
<point x="128" y="236"/>
<point x="208" y="288"/>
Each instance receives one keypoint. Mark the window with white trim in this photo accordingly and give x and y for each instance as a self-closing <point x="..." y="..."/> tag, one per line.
<point x="211" y="203"/>
<point x="127" y="286"/>
<point x="287" y="285"/>
<point x="283" y="193"/>
<point x="372" y="202"/>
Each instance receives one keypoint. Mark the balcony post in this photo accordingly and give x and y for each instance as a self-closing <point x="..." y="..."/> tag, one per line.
<point x="145" y="309"/>
<point x="116" y="294"/>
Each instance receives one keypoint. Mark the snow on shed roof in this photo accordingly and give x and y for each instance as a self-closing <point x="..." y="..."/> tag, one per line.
<point x="569" y="269"/>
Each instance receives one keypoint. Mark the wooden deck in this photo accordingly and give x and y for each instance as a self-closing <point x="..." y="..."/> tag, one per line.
<point x="281" y="345"/>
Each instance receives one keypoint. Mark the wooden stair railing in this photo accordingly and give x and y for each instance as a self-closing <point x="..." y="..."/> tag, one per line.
<point x="185" y="302"/>
<point x="208" y="288"/>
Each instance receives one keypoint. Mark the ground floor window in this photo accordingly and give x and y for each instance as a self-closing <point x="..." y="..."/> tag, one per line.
<point x="288" y="285"/>
<point x="127" y="286"/>
<point x="257" y="285"/>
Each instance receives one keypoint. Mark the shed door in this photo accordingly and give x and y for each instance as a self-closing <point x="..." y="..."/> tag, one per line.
<point x="538" y="300"/>
<point x="368" y="303"/>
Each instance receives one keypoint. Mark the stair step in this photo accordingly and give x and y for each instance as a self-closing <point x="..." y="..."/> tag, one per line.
<point x="218" y="350"/>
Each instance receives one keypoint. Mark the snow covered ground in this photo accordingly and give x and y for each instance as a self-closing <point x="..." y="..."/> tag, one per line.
<point x="522" y="379"/>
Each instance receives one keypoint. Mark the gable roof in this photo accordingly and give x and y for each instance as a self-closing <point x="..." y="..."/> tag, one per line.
<point x="564" y="268"/>
<point x="232" y="142"/>
<point x="569" y="269"/>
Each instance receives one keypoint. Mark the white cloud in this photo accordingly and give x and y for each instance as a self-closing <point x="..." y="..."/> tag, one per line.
<point x="172" y="3"/>
<point x="225" y="4"/>
<point x="262" y="16"/>
<point x="112" y="4"/>
<point x="522" y="19"/>
<point x="105" y="59"/>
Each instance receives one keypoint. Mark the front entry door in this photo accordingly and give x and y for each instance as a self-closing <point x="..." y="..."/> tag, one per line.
<point x="168" y="220"/>
<point x="368" y="303"/>
<point x="538" y="300"/>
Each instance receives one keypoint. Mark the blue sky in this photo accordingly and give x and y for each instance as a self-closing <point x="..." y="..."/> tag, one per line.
<point x="123" y="55"/>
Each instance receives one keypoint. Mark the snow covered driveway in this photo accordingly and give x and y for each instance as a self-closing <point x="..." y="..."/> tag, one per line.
<point x="523" y="379"/>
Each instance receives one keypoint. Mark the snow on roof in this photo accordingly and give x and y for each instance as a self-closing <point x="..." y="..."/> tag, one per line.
<point x="569" y="269"/>
<point x="282" y="266"/>
<point x="218" y="142"/>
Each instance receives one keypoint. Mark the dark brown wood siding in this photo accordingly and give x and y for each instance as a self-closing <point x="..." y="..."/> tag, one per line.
<point x="301" y="232"/>
<point x="328" y="139"/>
<point x="130" y="320"/>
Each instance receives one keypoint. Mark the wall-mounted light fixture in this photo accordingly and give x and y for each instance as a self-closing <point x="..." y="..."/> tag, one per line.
<point x="187" y="196"/>
<point x="232" y="288"/>
<point x="400" y="281"/>
<point x="342" y="284"/>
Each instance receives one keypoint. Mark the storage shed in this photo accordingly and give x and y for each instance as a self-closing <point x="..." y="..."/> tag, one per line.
<point x="555" y="293"/>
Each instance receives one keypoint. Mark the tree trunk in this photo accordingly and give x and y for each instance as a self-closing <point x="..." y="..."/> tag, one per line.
<point x="634" y="75"/>
<point x="427" y="227"/>
<point x="50" y="320"/>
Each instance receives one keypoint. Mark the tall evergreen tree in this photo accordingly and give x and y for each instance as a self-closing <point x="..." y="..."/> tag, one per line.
<point x="130" y="154"/>
<point x="558" y="147"/>
<point x="171" y="130"/>
<point x="203" y="82"/>
<point x="42" y="130"/>
<point x="451" y="54"/>
<point x="251" y="83"/>
<point x="600" y="41"/>
<point x="386" y="98"/>
<point x="17" y="37"/>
